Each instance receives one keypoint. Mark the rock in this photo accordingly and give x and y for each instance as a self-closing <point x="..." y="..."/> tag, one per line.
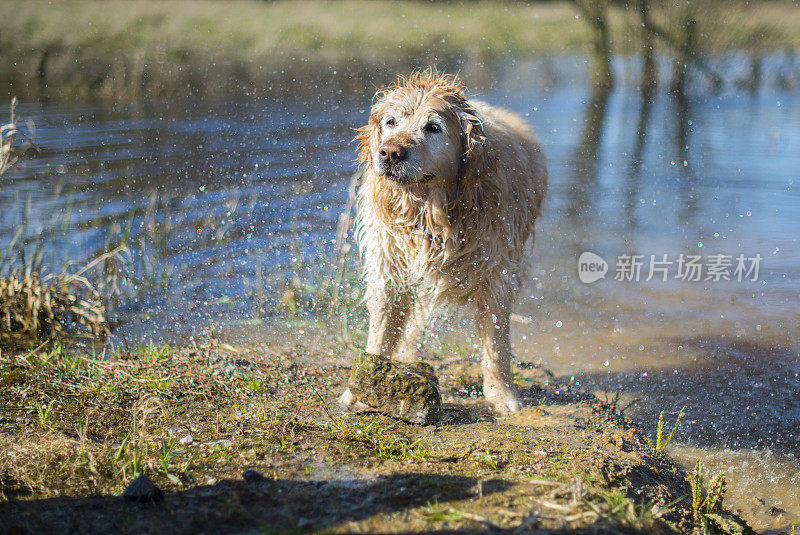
<point x="143" y="490"/>
<point x="187" y="440"/>
<point x="223" y="443"/>
<point x="408" y="392"/>
<point x="252" y="476"/>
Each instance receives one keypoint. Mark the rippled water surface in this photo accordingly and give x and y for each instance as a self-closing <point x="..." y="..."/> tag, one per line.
<point x="228" y="204"/>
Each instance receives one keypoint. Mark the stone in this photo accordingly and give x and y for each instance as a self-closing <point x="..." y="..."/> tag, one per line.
<point x="408" y="392"/>
<point x="142" y="489"/>
<point x="223" y="443"/>
<point x="252" y="476"/>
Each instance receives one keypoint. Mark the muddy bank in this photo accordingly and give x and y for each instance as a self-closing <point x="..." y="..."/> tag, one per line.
<point x="75" y="431"/>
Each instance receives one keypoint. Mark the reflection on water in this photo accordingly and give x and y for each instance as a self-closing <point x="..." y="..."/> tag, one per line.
<point x="647" y="88"/>
<point x="585" y="167"/>
<point x="225" y="202"/>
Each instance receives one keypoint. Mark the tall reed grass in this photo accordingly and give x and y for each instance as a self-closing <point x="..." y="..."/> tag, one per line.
<point x="10" y="140"/>
<point x="36" y="305"/>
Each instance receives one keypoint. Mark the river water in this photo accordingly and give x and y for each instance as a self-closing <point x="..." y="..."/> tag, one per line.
<point x="229" y="204"/>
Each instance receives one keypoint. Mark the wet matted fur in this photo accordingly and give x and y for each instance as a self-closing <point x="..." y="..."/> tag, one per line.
<point x="451" y="188"/>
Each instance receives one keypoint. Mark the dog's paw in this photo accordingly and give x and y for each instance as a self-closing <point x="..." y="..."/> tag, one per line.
<point x="504" y="400"/>
<point x="346" y="399"/>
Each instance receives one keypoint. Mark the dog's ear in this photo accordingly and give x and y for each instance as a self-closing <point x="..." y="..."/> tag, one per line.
<point x="368" y="137"/>
<point x="475" y="163"/>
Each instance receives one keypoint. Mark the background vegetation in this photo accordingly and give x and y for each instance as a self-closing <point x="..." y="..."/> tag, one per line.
<point x="74" y="48"/>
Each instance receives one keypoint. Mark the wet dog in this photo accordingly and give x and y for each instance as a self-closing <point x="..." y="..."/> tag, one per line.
<point x="451" y="188"/>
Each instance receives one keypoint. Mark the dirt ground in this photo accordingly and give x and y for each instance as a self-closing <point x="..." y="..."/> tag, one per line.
<point x="249" y="439"/>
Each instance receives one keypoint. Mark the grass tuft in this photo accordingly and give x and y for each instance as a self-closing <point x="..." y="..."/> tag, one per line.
<point x="382" y="439"/>
<point x="33" y="307"/>
<point x="45" y="413"/>
<point x="710" y="518"/>
<point x="661" y="442"/>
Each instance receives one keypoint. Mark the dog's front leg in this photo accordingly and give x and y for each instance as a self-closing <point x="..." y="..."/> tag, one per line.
<point x="409" y="349"/>
<point x="492" y="322"/>
<point x="388" y="314"/>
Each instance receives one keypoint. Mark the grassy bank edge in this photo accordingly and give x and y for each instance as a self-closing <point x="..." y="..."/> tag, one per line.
<point x="82" y="425"/>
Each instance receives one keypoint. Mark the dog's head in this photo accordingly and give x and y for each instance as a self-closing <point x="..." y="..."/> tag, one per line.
<point x="422" y="129"/>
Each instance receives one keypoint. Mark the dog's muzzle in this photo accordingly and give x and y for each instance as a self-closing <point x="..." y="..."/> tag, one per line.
<point x="391" y="153"/>
<point x="392" y="160"/>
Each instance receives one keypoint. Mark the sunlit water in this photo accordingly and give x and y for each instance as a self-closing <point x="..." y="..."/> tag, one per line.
<point x="228" y="202"/>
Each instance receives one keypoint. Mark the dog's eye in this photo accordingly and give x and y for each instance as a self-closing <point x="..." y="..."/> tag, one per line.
<point x="433" y="128"/>
<point x="389" y="121"/>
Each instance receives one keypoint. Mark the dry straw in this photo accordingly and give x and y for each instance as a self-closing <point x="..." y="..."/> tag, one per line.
<point x="9" y="141"/>
<point x="35" y="307"/>
<point x="32" y="308"/>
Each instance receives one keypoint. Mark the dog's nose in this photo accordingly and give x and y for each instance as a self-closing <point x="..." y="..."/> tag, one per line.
<point x="391" y="153"/>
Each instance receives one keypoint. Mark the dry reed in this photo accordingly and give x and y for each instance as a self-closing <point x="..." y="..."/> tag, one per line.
<point x="8" y="140"/>
<point x="35" y="308"/>
<point x="32" y="308"/>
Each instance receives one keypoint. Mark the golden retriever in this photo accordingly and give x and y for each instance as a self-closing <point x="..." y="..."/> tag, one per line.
<point x="451" y="188"/>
